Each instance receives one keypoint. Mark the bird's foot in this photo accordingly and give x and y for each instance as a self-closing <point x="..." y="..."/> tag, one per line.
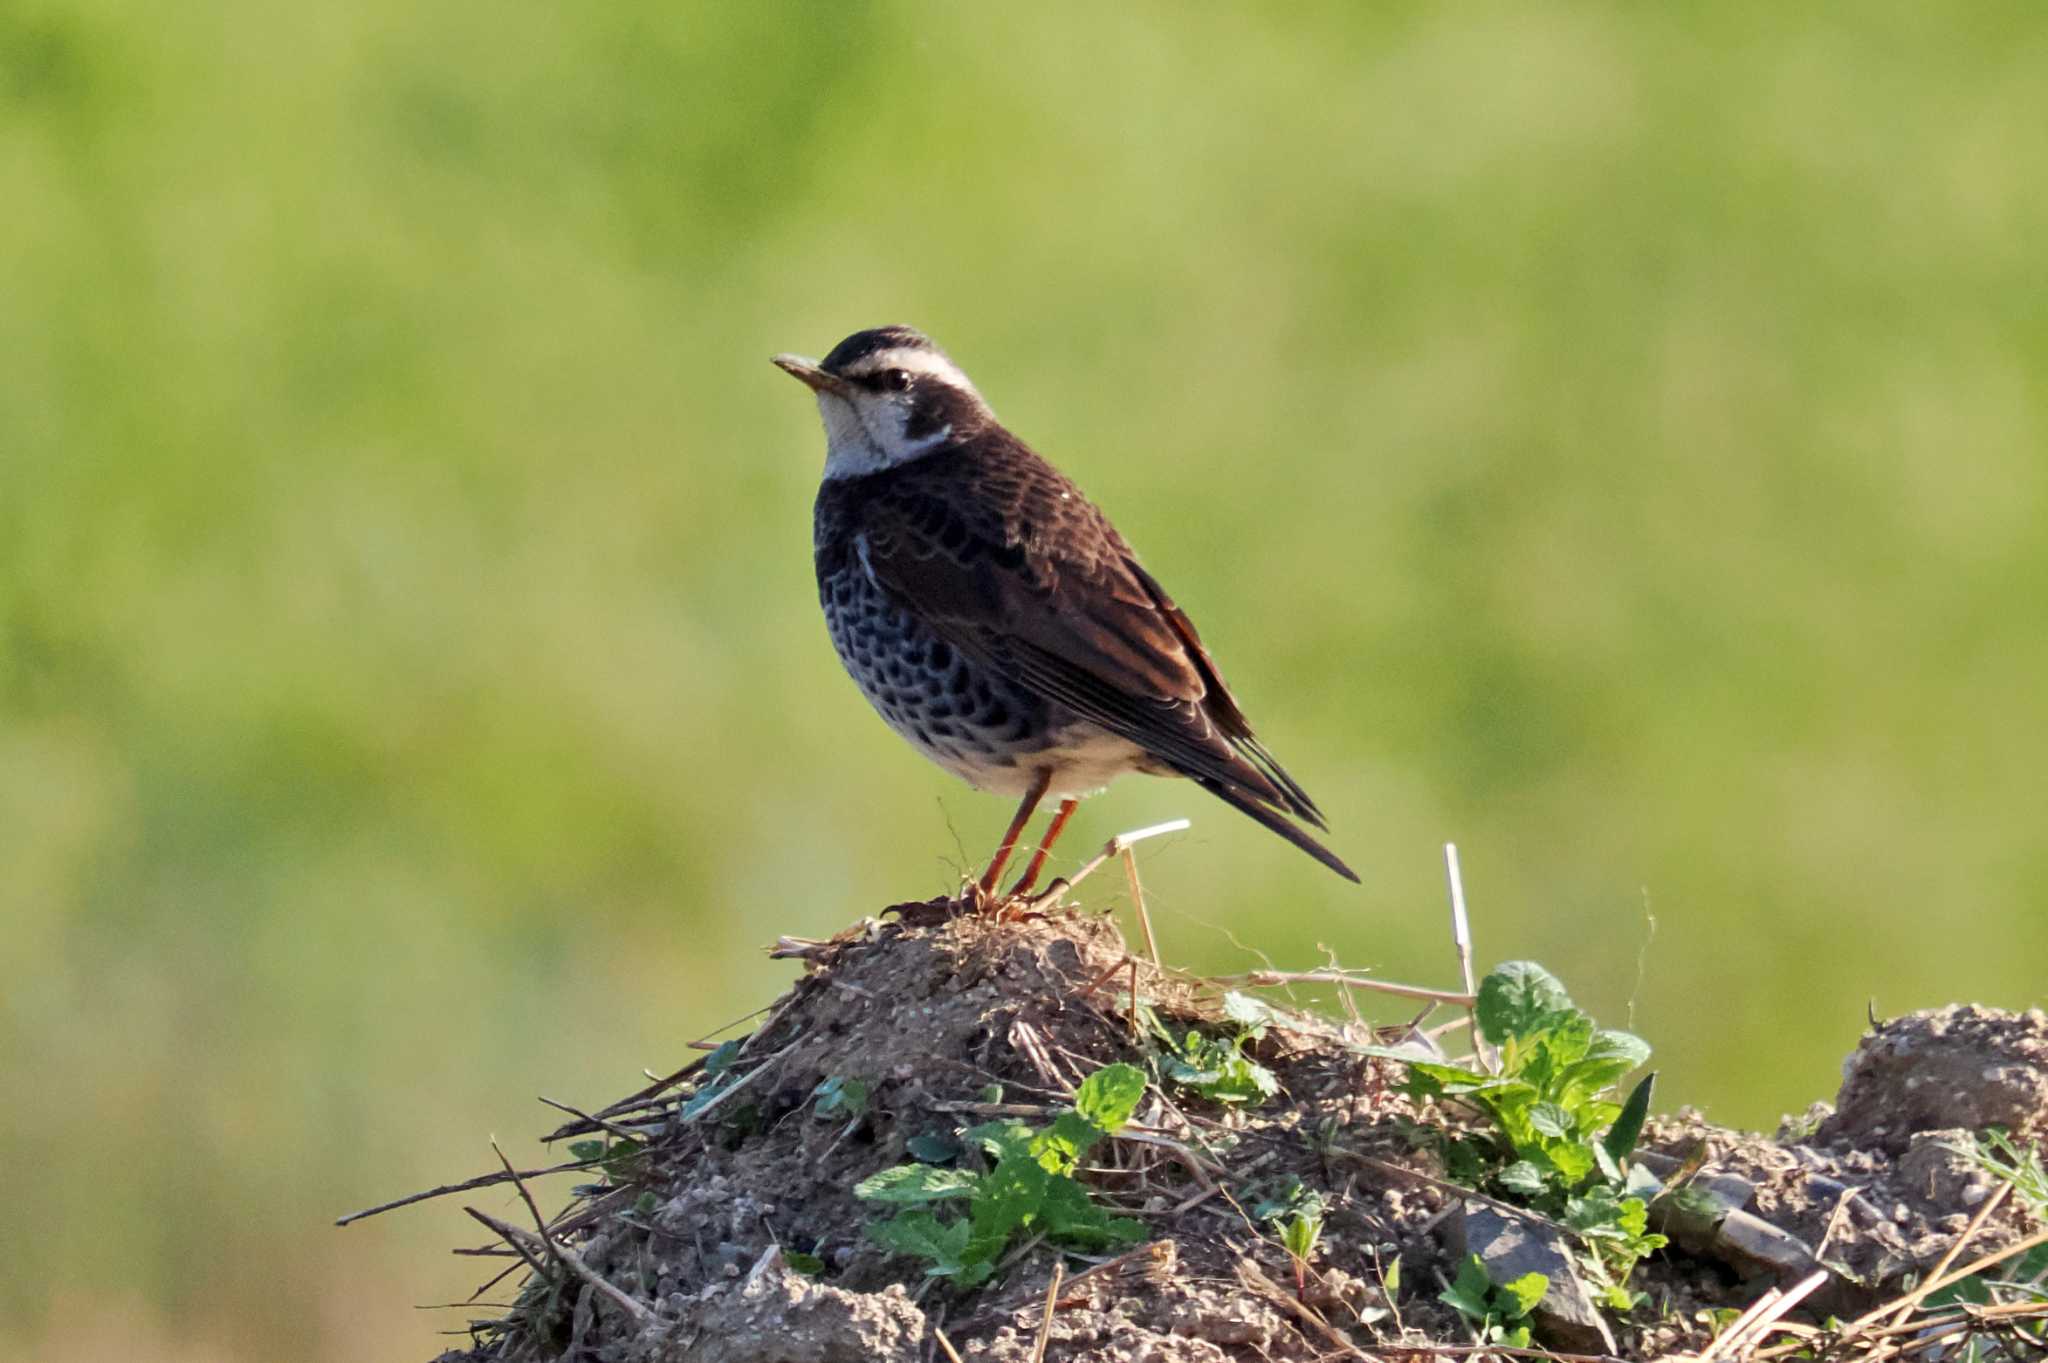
<point x="1009" y="905"/>
<point x="926" y="912"/>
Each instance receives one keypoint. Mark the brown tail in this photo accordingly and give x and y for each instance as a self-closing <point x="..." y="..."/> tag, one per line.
<point x="1239" y="798"/>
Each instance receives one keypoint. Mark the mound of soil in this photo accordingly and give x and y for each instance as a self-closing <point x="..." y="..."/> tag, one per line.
<point x="732" y="1234"/>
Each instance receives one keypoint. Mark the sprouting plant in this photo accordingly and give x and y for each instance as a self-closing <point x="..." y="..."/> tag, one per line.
<point x="1029" y="1187"/>
<point x="1498" y="1312"/>
<point x="1559" y="1140"/>
<point x="1216" y="1067"/>
<point x="1295" y="1211"/>
<point x="617" y="1161"/>
<point x="839" y="1096"/>
<point x="1997" y="1155"/>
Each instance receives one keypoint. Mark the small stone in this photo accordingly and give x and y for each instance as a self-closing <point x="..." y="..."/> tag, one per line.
<point x="1511" y="1246"/>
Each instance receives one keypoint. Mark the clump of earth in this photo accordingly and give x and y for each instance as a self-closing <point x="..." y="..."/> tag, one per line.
<point x="732" y="1234"/>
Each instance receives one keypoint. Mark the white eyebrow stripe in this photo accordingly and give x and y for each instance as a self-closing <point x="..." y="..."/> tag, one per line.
<point x="918" y="362"/>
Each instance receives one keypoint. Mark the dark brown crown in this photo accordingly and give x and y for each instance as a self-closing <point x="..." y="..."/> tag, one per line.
<point x="862" y="344"/>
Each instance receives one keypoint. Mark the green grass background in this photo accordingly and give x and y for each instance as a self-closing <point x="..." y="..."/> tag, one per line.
<point x="1611" y="437"/>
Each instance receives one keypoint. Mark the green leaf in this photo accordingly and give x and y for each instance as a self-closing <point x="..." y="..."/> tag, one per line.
<point x="1247" y="1012"/>
<point x="1642" y="1183"/>
<point x="1219" y="1070"/>
<point x="1069" y="1216"/>
<point x="1573" y="1161"/>
<point x="1467" y="1159"/>
<point x="1059" y="1147"/>
<point x="1621" y="1047"/>
<point x="1616" y="1297"/>
<point x="1004" y="1139"/>
<point x="1521" y="1178"/>
<point x="1597" y="1210"/>
<point x="1520" y="1297"/>
<point x="1446" y="1079"/>
<point x="1108" y="1097"/>
<point x="1609" y="1056"/>
<point x="1509" y="1101"/>
<point x="1468" y="1294"/>
<point x="1517" y="1000"/>
<point x="1548" y="1119"/>
<point x="840" y="1097"/>
<point x="703" y="1097"/>
<point x="1609" y="1170"/>
<point x="1299" y="1236"/>
<point x="1695" y="1203"/>
<point x="1560" y="1042"/>
<point x="943" y="1245"/>
<point x="931" y="1148"/>
<point x="1286" y="1196"/>
<point x="616" y="1158"/>
<point x="1008" y="1196"/>
<point x="810" y="1265"/>
<point x="911" y="1184"/>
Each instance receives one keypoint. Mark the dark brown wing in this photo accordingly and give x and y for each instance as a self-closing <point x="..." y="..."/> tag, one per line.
<point x="1028" y="576"/>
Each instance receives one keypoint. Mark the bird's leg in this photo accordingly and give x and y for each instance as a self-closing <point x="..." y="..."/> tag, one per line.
<point x="1052" y="831"/>
<point x="1025" y="809"/>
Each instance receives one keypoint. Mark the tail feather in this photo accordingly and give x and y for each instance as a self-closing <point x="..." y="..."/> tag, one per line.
<point x="1289" y="790"/>
<point x="1245" y="801"/>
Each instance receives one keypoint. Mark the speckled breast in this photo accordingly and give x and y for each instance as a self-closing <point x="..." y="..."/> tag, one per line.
<point x="963" y="717"/>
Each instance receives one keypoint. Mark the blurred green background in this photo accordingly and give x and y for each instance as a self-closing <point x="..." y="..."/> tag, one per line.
<point x="1611" y="437"/>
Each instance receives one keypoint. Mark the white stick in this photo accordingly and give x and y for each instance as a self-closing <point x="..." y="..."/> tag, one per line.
<point x="1116" y="846"/>
<point x="1461" y="926"/>
<point x="1461" y="937"/>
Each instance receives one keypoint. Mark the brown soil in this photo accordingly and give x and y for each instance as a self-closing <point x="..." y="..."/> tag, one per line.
<point x="930" y="1011"/>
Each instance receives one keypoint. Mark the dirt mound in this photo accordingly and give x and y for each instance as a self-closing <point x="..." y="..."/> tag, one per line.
<point x="727" y="1229"/>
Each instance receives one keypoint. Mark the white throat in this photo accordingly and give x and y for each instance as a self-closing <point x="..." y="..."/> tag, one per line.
<point x="869" y="438"/>
<point x="864" y="430"/>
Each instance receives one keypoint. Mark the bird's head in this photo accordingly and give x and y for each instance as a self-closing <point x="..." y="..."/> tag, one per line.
<point x="888" y="396"/>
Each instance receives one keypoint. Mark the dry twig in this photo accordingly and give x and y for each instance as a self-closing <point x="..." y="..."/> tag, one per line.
<point x="1052" y="1297"/>
<point x="569" y="1259"/>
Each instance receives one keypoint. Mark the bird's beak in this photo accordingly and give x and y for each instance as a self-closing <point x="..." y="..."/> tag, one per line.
<point x="814" y="378"/>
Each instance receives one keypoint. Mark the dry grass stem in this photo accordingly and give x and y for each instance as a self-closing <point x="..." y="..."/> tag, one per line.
<point x="1138" y="904"/>
<point x="1892" y="1312"/>
<point x="1116" y="846"/>
<point x="467" y="1185"/>
<point x="1757" y="1321"/>
<point x="1273" y="979"/>
<point x="1052" y="1298"/>
<point x="569" y="1259"/>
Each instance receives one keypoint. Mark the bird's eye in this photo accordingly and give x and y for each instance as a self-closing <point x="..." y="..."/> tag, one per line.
<point x="896" y="379"/>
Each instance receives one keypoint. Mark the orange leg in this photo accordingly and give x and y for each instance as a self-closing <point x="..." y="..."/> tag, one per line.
<point x="1024" y="813"/>
<point x="1052" y="831"/>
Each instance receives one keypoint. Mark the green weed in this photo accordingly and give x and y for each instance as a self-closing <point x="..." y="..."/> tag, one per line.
<point x="1559" y="1140"/>
<point x="1498" y="1312"/>
<point x="1029" y="1187"/>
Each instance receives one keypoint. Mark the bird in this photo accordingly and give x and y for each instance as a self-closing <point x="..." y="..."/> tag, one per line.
<point x="993" y="616"/>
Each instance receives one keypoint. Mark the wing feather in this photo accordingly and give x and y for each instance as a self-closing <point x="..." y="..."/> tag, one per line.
<point x="1035" y="580"/>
